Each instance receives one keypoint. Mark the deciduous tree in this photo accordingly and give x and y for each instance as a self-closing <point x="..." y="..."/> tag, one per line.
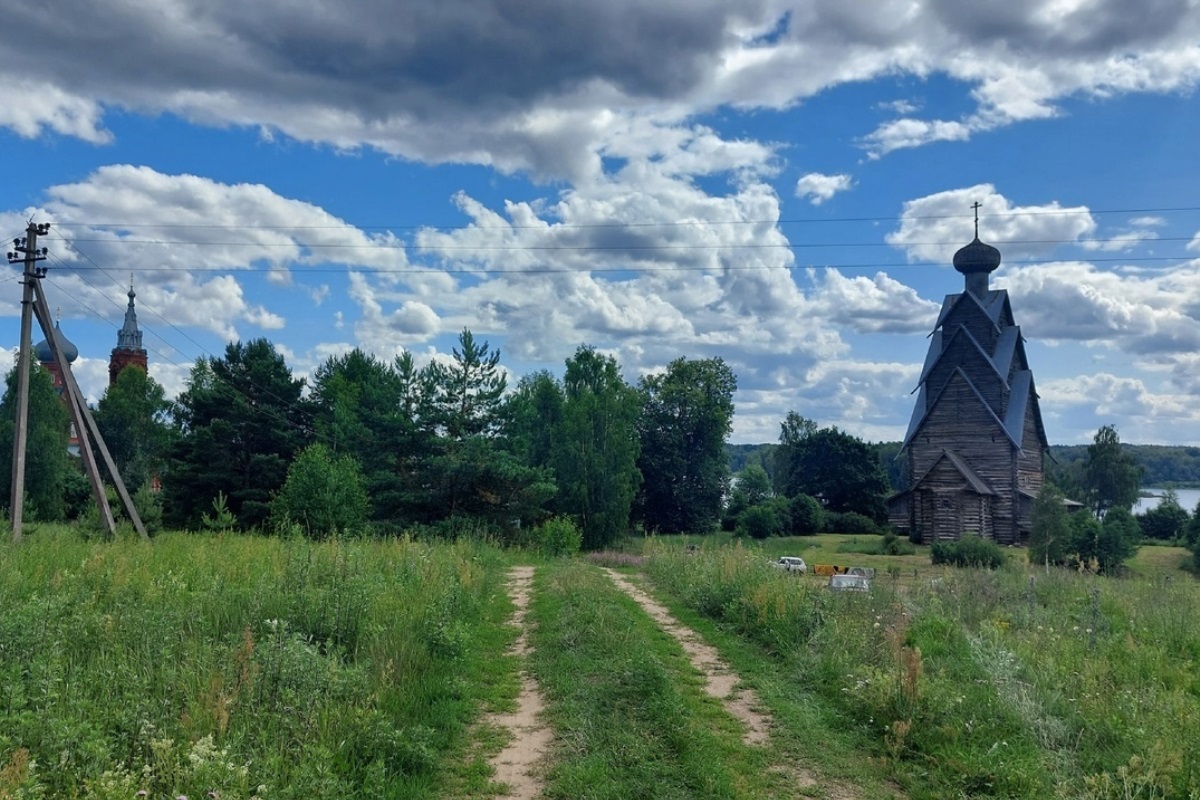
<point x="323" y="494"/>
<point x="134" y="418"/>
<point x="687" y="413"/>
<point x="839" y="469"/>
<point x="47" y="464"/>
<point x="1111" y="477"/>
<point x="1050" y="539"/>
<point x="596" y="448"/>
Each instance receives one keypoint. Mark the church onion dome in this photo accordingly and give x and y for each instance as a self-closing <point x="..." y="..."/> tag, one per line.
<point x="976" y="257"/>
<point x="45" y="355"/>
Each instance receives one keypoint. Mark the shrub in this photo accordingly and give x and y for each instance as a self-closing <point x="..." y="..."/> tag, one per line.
<point x="889" y="545"/>
<point x="324" y="493"/>
<point x="559" y="537"/>
<point x="850" y="522"/>
<point x="759" y="522"/>
<point x="806" y="515"/>
<point x="733" y="509"/>
<point x="969" y="551"/>
<point x="893" y="545"/>
<point x="149" y="507"/>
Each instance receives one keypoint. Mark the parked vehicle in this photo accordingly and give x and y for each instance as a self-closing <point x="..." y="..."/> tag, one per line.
<point x="791" y="564"/>
<point x="835" y="569"/>
<point x="849" y="583"/>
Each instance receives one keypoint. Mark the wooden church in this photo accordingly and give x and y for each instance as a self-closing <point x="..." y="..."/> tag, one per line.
<point x="973" y="450"/>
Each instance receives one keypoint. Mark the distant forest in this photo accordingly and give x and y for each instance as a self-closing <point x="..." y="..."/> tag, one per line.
<point x="1162" y="464"/>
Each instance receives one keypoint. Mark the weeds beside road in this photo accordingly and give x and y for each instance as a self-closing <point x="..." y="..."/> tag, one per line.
<point x="1004" y="683"/>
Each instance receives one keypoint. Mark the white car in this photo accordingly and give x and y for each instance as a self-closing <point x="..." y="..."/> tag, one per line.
<point x="849" y="583"/>
<point x="791" y="564"/>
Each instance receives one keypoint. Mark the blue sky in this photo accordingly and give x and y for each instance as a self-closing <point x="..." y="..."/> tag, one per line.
<point x="781" y="184"/>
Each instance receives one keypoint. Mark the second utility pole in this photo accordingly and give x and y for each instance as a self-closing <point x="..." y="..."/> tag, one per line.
<point x="28" y="246"/>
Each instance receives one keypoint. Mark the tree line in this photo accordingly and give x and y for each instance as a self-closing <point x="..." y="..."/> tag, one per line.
<point x="370" y="445"/>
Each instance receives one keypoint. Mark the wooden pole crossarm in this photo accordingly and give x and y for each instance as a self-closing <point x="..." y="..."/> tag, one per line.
<point x="73" y="406"/>
<point x="89" y="421"/>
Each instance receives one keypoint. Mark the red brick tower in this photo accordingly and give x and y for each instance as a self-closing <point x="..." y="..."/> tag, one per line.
<point x="129" y="348"/>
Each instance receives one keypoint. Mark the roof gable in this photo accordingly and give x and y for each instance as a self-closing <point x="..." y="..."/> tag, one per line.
<point x="994" y="306"/>
<point x="932" y="359"/>
<point x="960" y="465"/>
<point x="924" y="410"/>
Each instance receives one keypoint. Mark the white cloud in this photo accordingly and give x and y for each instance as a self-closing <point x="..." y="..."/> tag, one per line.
<point x="470" y="82"/>
<point x="30" y="108"/>
<point x="819" y="188"/>
<point x="185" y="237"/>
<point x="871" y="305"/>
<point x="1141" y="314"/>
<point x="934" y="227"/>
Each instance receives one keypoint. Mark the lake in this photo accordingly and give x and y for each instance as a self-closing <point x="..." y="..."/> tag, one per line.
<point x="1187" y="499"/>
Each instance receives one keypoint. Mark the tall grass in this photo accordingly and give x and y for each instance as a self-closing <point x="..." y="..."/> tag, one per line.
<point x="241" y="666"/>
<point x="983" y="683"/>
<point x="629" y="711"/>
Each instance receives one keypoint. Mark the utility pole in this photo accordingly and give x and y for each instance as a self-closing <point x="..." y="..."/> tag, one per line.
<point x="24" y="250"/>
<point x="34" y="303"/>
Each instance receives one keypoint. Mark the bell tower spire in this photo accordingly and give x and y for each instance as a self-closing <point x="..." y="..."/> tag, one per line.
<point x="129" y="348"/>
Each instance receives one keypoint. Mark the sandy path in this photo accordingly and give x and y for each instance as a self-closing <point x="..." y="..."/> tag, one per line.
<point x="722" y="683"/>
<point x="517" y="764"/>
<point x="719" y="680"/>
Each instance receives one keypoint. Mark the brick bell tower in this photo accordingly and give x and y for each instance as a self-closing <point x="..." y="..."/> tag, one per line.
<point x="129" y="348"/>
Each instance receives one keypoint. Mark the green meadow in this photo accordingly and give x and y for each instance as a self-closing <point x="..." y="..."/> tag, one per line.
<point x="242" y="666"/>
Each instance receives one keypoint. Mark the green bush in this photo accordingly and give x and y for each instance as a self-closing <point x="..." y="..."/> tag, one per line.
<point x="758" y="522"/>
<point x="149" y="507"/>
<point x="850" y="522"/>
<point x="323" y="493"/>
<point x="889" y="545"/>
<point x="969" y="551"/>
<point x="559" y="537"/>
<point x="806" y="515"/>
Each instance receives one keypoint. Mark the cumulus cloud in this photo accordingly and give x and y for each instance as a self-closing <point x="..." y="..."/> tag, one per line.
<point x="1147" y="314"/>
<point x="1082" y="404"/>
<point x="818" y="188"/>
<point x="185" y="237"/>
<point x="933" y="227"/>
<point x="871" y="305"/>
<point x="540" y="87"/>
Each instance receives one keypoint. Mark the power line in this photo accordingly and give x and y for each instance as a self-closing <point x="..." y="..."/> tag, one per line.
<point x="151" y="309"/>
<point x="299" y="245"/>
<point x="101" y="317"/>
<point x="410" y="270"/>
<point x="679" y="223"/>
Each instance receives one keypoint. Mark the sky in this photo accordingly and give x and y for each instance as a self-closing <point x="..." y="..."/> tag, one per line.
<point x="780" y="184"/>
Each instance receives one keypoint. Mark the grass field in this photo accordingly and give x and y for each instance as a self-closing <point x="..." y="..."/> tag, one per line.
<point x="239" y="667"/>
<point x="243" y="666"/>
<point x="1013" y="683"/>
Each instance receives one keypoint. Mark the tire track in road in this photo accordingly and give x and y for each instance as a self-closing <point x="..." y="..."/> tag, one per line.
<point x="518" y="764"/>
<point x="722" y="683"/>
